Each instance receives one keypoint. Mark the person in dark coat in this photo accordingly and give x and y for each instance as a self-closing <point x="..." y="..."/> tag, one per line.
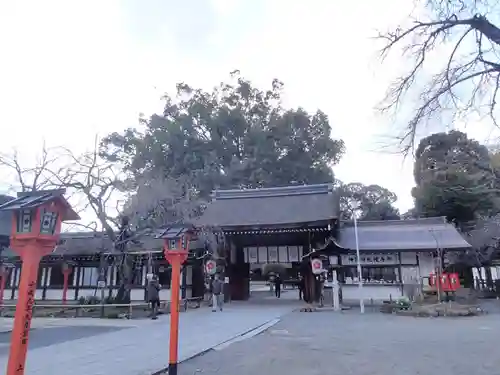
<point x="217" y="293"/>
<point x="277" y="285"/>
<point x="302" y="286"/>
<point x="154" y="296"/>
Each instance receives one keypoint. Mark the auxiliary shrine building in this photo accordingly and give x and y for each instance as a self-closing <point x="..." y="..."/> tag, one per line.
<point x="283" y="225"/>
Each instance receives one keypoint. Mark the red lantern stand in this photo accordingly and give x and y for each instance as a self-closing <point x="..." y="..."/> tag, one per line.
<point x="454" y="281"/>
<point x="176" y="249"/>
<point x="36" y="225"/>
<point x="67" y="268"/>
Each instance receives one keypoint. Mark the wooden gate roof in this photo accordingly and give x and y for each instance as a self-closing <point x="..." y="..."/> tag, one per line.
<point x="280" y="206"/>
<point x="402" y="235"/>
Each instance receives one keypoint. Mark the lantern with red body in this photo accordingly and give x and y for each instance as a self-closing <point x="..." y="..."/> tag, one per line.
<point x="176" y="239"/>
<point x="176" y="246"/>
<point x="454" y="281"/>
<point x="445" y="283"/>
<point x="36" y="225"/>
<point x="67" y="268"/>
<point x="432" y="280"/>
<point x="37" y="216"/>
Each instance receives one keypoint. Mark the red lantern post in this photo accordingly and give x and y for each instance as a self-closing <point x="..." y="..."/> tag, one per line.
<point x="66" y="270"/>
<point x="36" y="226"/>
<point x="176" y="248"/>
<point x="4" y="273"/>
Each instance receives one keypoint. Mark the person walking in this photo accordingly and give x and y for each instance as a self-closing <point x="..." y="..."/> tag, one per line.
<point x="154" y="296"/>
<point x="302" y="286"/>
<point x="277" y="285"/>
<point x="217" y="296"/>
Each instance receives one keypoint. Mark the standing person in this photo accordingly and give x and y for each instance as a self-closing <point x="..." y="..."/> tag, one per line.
<point x="154" y="296"/>
<point x="217" y="297"/>
<point x="277" y="285"/>
<point x="302" y="285"/>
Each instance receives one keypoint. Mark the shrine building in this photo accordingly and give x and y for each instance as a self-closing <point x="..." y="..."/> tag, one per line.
<point x="282" y="225"/>
<point x="285" y="225"/>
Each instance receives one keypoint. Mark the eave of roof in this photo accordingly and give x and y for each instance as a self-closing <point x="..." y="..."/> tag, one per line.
<point x="32" y="199"/>
<point x="271" y="207"/>
<point x="5" y="217"/>
<point x="426" y="234"/>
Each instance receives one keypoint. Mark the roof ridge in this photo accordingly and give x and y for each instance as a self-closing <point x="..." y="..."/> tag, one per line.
<point x="273" y="191"/>
<point x="422" y="220"/>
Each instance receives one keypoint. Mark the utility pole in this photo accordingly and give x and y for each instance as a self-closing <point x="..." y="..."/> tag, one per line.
<point x="360" y="274"/>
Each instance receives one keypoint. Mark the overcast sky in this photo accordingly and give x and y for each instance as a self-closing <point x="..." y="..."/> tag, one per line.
<point x="70" y="70"/>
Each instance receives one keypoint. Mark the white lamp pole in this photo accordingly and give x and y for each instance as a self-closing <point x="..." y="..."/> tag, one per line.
<point x="360" y="275"/>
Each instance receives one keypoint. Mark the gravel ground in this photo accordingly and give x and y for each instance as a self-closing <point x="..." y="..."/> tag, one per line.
<point x="329" y="343"/>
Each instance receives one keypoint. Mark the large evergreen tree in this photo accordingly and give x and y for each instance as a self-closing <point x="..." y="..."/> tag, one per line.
<point x="233" y="136"/>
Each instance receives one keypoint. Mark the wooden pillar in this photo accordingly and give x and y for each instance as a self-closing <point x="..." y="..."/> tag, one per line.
<point x="184" y="281"/>
<point x="44" y="282"/>
<point x="144" y="281"/>
<point x="76" y="281"/>
<point x="198" y="280"/>
<point x="239" y="276"/>
<point x="13" y="281"/>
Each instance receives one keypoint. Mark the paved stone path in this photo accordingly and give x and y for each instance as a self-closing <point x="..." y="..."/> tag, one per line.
<point x="350" y="343"/>
<point x="37" y="323"/>
<point x="143" y="350"/>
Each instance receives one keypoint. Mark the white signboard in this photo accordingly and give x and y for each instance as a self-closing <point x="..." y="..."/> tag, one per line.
<point x="101" y="284"/>
<point x="370" y="259"/>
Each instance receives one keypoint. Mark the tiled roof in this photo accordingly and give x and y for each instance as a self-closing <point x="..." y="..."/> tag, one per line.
<point x="32" y="199"/>
<point x="418" y="234"/>
<point x="5" y="217"/>
<point x="88" y="243"/>
<point x="271" y="206"/>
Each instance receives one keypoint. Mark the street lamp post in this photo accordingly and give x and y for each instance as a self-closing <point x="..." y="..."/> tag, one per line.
<point x="358" y="261"/>
<point x="176" y="247"/>
<point x="36" y="226"/>
<point x="439" y="265"/>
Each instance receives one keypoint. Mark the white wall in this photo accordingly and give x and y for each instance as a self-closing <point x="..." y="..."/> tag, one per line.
<point x="425" y="264"/>
<point x="351" y="293"/>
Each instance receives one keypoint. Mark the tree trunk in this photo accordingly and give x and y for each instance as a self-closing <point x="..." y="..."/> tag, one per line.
<point x="124" y="270"/>
<point x="310" y="288"/>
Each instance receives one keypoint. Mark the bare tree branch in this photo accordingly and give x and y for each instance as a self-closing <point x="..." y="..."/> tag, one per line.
<point x="33" y="178"/>
<point x="468" y="79"/>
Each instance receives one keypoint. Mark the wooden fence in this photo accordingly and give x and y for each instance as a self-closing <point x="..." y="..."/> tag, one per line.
<point x="101" y="310"/>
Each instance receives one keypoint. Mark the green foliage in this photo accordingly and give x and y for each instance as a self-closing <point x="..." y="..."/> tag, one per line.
<point x="454" y="178"/>
<point x="371" y="202"/>
<point x="403" y="303"/>
<point x="453" y="151"/>
<point x="233" y="136"/>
